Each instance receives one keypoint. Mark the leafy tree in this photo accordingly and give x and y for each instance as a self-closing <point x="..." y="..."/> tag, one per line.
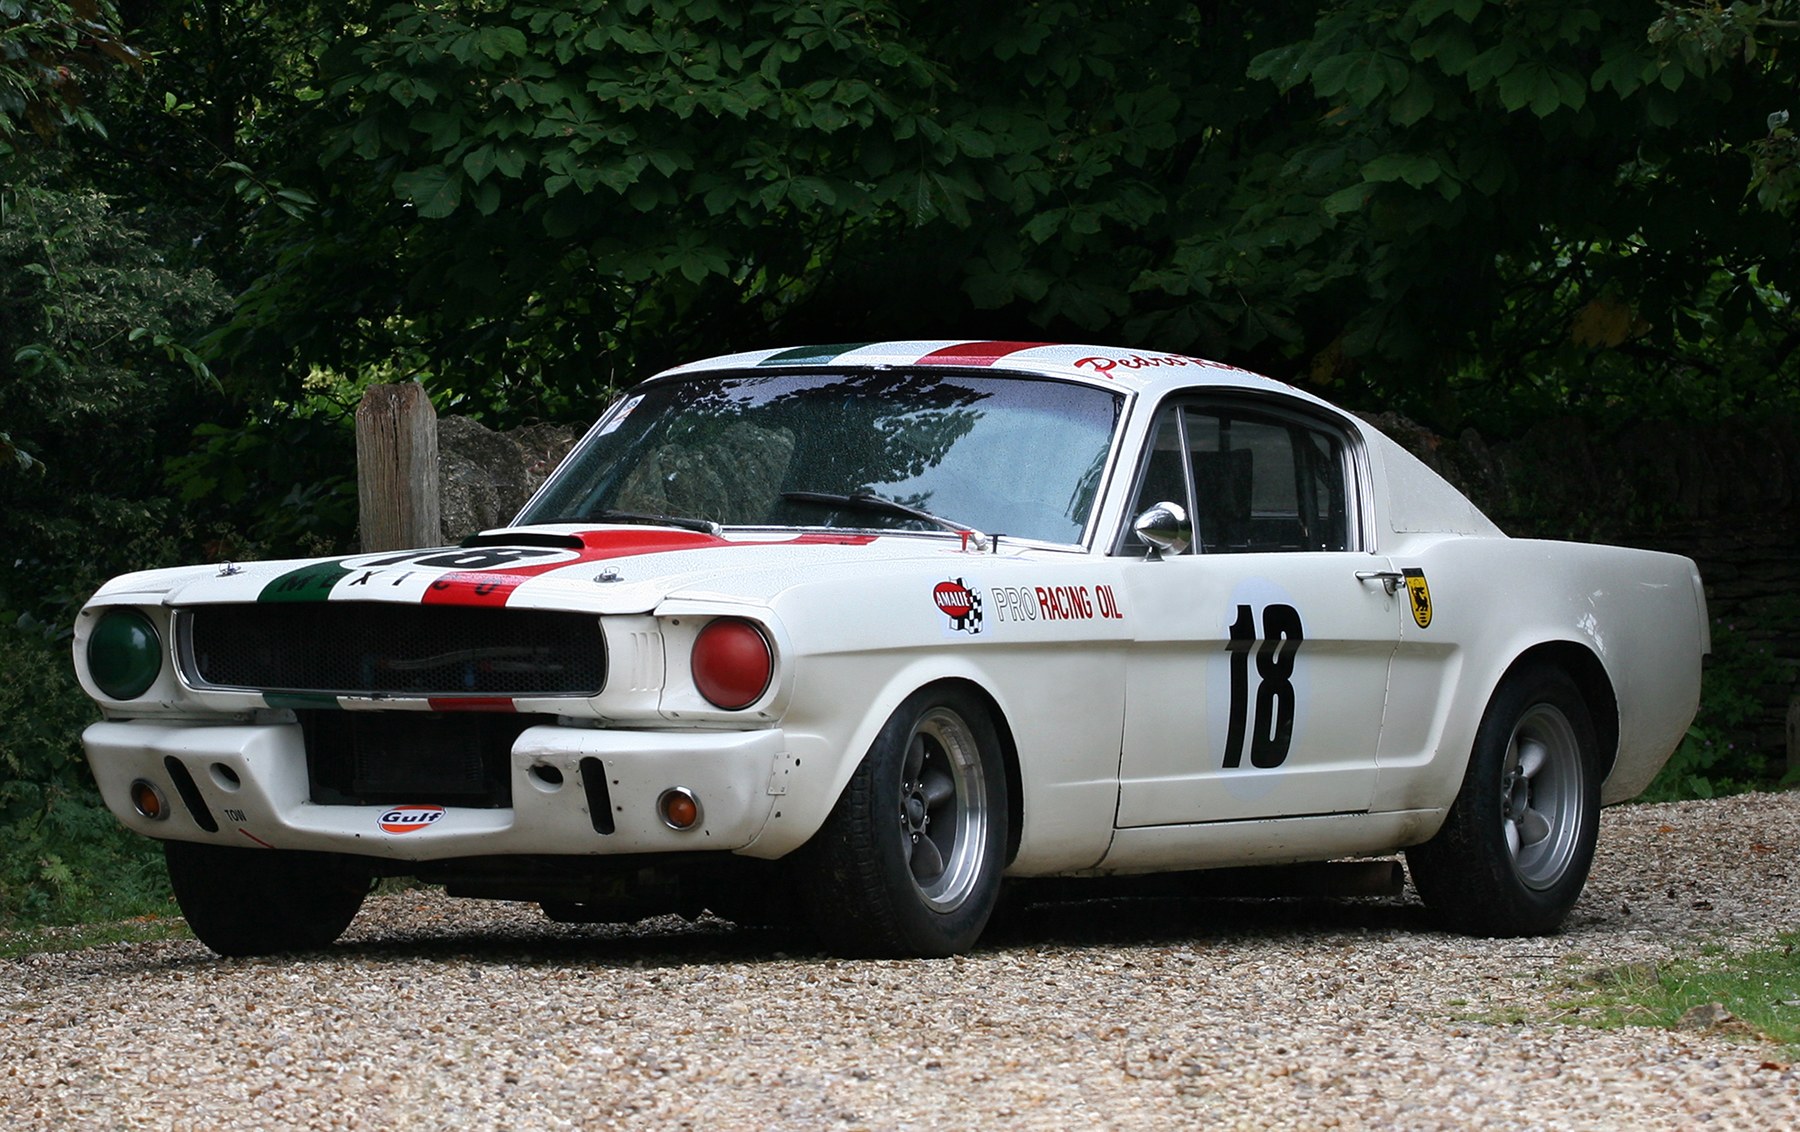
<point x="1458" y="207"/>
<point x="45" y="47"/>
<point x="1544" y="206"/>
<point x="216" y="133"/>
<point x="530" y="200"/>
<point x="222" y="128"/>
<point x="92" y="326"/>
<point x="1745" y="37"/>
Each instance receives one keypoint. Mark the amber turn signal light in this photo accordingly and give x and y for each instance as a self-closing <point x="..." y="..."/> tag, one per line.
<point x="679" y="808"/>
<point x="148" y="800"/>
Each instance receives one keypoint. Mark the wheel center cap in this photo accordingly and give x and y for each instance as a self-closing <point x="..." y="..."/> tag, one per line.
<point x="1518" y="798"/>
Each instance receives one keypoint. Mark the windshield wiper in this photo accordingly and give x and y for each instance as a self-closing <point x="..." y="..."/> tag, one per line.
<point x="704" y="526"/>
<point x="869" y="501"/>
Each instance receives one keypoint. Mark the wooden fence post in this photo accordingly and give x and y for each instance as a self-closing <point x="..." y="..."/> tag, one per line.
<point x="397" y="468"/>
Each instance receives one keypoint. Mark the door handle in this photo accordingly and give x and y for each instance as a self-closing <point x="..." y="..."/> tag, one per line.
<point x="1390" y="579"/>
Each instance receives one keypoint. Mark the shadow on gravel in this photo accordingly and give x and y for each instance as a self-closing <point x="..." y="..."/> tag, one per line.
<point x="1034" y="919"/>
<point x="1163" y="921"/>
<point x="1035" y="924"/>
<point x="662" y="942"/>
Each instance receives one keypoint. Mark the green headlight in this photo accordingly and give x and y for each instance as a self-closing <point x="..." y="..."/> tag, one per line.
<point x="124" y="654"/>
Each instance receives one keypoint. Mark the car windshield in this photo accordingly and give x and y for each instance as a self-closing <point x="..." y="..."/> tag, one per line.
<point x="1005" y="455"/>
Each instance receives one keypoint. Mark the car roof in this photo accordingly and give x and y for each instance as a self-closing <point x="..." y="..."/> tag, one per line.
<point x="1113" y="367"/>
<point x="1415" y="499"/>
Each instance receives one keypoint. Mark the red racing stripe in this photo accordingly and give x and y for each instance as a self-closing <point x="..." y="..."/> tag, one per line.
<point x="976" y="353"/>
<point x="492" y="588"/>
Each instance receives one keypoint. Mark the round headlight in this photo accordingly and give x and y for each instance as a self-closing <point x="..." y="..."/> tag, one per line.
<point x="124" y="654"/>
<point x="732" y="663"/>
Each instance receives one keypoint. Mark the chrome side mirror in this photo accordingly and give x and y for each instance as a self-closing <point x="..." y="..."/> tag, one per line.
<point x="1166" y="528"/>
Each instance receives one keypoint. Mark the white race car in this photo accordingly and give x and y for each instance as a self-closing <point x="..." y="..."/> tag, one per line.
<point x="849" y="633"/>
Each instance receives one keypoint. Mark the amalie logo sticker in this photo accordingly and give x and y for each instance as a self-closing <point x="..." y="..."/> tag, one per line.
<point x="409" y="819"/>
<point x="960" y="603"/>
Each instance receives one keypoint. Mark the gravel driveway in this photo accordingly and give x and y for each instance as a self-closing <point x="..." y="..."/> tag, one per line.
<point x="1113" y="1014"/>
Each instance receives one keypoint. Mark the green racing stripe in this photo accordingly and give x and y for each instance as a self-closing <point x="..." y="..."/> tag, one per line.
<point x="308" y="583"/>
<point x="810" y="355"/>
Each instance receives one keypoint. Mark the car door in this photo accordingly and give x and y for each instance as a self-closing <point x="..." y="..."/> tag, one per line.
<point x="1257" y="679"/>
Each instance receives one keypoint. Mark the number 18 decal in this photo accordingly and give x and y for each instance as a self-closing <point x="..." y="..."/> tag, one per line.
<point x="1273" y="731"/>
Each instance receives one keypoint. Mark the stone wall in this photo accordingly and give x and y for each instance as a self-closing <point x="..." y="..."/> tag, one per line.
<point x="486" y="476"/>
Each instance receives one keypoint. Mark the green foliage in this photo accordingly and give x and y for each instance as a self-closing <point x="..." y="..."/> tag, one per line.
<point x="86" y="288"/>
<point x="1469" y="211"/>
<point x="103" y="298"/>
<point x="281" y="483"/>
<point x="63" y="857"/>
<point x="1535" y="196"/>
<point x="92" y="325"/>
<point x="44" y="47"/>
<point x="543" y="198"/>
<point x="222" y="134"/>
<point x="39" y="940"/>
<point x="1742" y="36"/>
<point x="1759" y="988"/>
<point x="22" y="460"/>
<point x="1745" y="38"/>
<point x="1714" y="759"/>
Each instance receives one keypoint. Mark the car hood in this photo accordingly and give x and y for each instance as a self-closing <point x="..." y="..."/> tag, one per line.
<point x="606" y="570"/>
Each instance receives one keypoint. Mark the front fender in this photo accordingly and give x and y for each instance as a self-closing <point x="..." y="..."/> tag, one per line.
<point x="1062" y="708"/>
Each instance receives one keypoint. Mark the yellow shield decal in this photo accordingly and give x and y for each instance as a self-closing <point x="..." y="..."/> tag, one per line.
<point x="1420" y="593"/>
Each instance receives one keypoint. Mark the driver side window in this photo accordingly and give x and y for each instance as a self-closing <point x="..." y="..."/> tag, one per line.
<point x="1253" y="481"/>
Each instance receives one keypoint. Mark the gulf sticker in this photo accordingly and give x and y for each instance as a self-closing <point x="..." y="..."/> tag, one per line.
<point x="960" y="603"/>
<point x="408" y="819"/>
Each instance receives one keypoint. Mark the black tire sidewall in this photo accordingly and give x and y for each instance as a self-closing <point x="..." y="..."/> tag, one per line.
<point x="1466" y="872"/>
<point x="860" y="893"/>
<point x="241" y="902"/>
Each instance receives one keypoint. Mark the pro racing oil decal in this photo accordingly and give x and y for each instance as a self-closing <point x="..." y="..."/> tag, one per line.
<point x="1057" y="603"/>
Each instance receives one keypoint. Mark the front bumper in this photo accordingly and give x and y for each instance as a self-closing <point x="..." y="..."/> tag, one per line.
<point x="249" y="782"/>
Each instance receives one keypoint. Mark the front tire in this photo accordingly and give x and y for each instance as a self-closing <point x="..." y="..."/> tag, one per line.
<point x="263" y="901"/>
<point x="909" y="862"/>
<point x="1514" y="853"/>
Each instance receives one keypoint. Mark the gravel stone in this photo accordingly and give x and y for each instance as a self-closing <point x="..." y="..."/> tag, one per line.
<point x="438" y="1013"/>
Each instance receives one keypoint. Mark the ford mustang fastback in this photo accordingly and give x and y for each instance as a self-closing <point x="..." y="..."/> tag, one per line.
<point x="848" y="635"/>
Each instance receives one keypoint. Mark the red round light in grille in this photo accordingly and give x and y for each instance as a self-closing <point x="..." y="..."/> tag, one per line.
<point x="732" y="663"/>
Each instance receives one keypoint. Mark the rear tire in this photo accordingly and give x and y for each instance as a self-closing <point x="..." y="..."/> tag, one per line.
<point x="1514" y="853"/>
<point x="908" y="864"/>
<point x="263" y="901"/>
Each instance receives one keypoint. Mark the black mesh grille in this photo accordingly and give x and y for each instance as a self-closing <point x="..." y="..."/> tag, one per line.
<point x="377" y="758"/>
<point x="367" y="648"/>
